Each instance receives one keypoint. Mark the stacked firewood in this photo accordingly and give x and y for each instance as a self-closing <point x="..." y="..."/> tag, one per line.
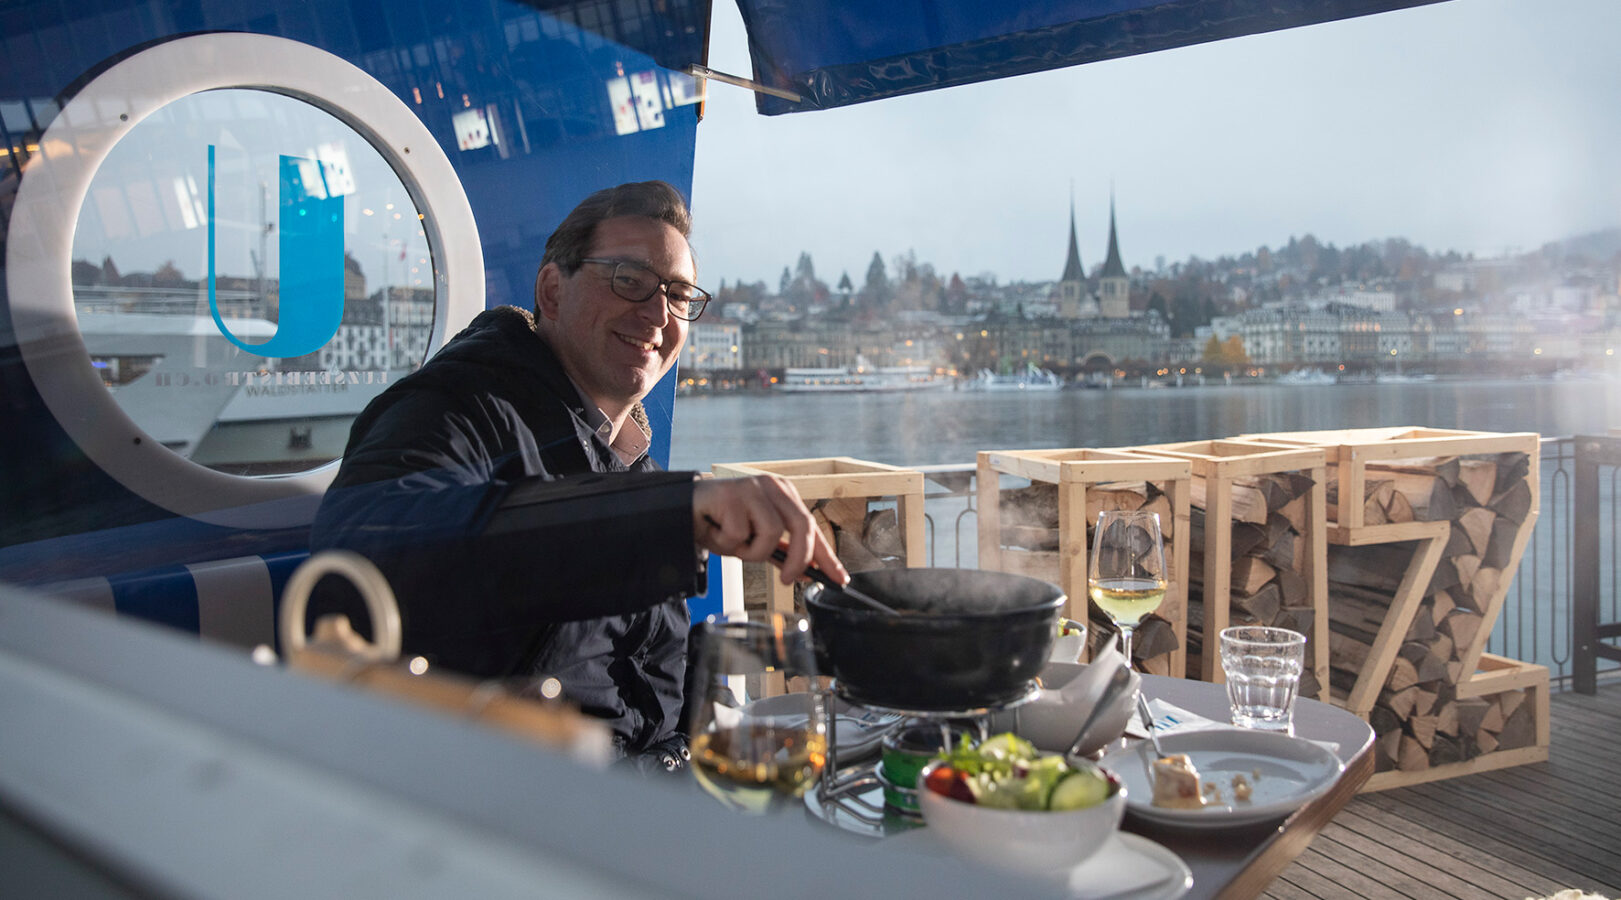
<point x="865" y="538"/>
<point x="1268" y="562"/>
<point x="1030" y="541"/>
<point x="1418" y="717"/>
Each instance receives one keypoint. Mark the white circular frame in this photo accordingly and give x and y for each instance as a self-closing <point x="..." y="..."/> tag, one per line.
<point x="53" y="189"/>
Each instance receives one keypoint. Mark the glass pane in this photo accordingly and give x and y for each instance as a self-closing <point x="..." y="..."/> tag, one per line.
<point x="248" y="272"/>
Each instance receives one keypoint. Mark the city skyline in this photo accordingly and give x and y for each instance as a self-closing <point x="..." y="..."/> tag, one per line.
<point x="1481" y="126"/>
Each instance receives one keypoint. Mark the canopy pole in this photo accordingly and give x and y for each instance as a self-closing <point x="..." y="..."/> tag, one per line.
<point x="698" y="71"/>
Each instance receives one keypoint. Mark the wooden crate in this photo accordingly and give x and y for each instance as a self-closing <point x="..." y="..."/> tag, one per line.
<point x="1225" y="488"/>
<point x="1421" y="558"/>
<point x="1519" y="737"/>
<point x="1081" y="476"/>
<point x="822" y="481"/>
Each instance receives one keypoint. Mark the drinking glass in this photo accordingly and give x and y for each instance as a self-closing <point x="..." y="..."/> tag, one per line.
<point x="1127" y="575"/>
<point x="755" y="743"/>
<point x="1262" y="666"/>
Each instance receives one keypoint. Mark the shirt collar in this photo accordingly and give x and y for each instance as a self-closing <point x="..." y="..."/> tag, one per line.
<point x="632" y="442"/>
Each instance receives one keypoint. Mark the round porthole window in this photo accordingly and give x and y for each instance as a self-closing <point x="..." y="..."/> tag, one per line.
<point x="225" y="247"/>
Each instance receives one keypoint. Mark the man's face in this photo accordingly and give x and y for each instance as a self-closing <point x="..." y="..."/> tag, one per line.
<point x="616" y="350"/>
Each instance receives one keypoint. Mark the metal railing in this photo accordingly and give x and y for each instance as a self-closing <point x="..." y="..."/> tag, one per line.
<point x="1537" y="622"/>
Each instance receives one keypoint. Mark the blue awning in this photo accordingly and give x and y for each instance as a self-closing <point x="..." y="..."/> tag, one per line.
<point x="838" y="52"/>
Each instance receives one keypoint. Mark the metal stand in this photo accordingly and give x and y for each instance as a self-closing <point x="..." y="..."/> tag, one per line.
<point x="851" y="798"/>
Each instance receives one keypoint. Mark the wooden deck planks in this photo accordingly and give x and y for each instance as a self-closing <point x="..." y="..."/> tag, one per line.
<point x="1520" y="832"/>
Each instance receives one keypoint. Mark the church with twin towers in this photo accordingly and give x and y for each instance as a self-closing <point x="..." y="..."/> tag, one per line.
<point x="1076" y="300"/>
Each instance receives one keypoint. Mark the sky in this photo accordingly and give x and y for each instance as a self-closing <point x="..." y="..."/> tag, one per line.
<point x="1483" y="126"/>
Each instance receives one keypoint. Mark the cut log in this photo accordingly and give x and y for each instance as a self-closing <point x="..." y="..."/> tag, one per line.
<point x="1471" y="714"/>
<point x="1446" y="749"/>
<point x="1398" y="509"/>
<point x="1403" y="674"/>
<point x="1519" y="729"/>
<point x="1262" y="606"/>
<point x="1476" y="525"/>
<point x="1246" y="537"/>
<point x="1445" y="576"/>
<point x="1463" y="627"/>
<point x="1386" y="746"/>
<point x="1422" y="728"/>
<point x="1428" y="666"/>
<point x="1293" y="588"/>
<point x="1423" y="627"/>
<point x="1250" y="573"/>
<point x="883" y="533"/>
<point x="1501" y="544"/>
<point x="1295" y="512"/>
<point x="1399" y="703"/>
<point x="1492" y="721"/>
<point x="1485" y="741"/>
<point x="1375" y="497"/>
<point x="1479" y="478"/>
<point x="1424" y="701"/>
<point x="854" y="554"/>
<point x="1466" y="566"/>
<point x="1484" y="586"/>
<point x="1458" y="540"/>
<point x="845" y="513"/>
<point x="1511" y="467"/>
<point x="1115" y="496"/>
<point x="1159" y="503"/>
<point x="1384" y="720"/>
<point x="1248" y="503"/>
<point x="1378" y="566"/>
<point x="1281" y="552"/>
<point x="1514" y="503"/>
<point x="1296" y="618"/>
<point x="1412" y="756"/>
<point x="1429" y="497"/>
<point x="1153" y="637"/>
<point x="1441" y="603"/>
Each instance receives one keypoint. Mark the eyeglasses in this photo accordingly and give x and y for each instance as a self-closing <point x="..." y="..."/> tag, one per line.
<point x="637" y="283"/>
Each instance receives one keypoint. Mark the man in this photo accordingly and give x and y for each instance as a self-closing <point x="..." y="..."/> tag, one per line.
<point x="505" y="487"/>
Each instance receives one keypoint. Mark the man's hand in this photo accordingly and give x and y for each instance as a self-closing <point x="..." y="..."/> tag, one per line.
<point x="747" y="518"/>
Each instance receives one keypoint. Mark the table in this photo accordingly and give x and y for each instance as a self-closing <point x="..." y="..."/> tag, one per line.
<point x="1241" y="863"/>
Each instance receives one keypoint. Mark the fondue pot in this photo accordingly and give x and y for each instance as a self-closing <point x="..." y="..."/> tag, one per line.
<point x="961" y="639"/>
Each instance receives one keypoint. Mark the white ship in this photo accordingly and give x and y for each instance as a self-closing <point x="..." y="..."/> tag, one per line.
<point x="1031" y="379"/>
<point x="860" y="377"/>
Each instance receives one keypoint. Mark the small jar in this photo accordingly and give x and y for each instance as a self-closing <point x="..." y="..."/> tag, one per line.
<point x="906" y="750"/>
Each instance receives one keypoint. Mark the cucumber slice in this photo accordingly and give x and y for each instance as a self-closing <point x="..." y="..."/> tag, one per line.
<point x="1079" y="790"/>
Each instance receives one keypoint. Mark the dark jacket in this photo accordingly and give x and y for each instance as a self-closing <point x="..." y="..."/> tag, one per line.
<point x="516" y="541"/>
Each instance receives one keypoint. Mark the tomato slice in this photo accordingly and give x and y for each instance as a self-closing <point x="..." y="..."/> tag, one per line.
<point x="949" y="782"/>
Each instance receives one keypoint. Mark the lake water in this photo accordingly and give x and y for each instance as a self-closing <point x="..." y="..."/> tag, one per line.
<point x="941" y="427"/>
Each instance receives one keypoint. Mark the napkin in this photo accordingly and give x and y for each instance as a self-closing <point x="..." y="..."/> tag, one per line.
<point x="1171" y="719"/>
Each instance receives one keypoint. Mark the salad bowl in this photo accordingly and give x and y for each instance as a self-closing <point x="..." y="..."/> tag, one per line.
<point x="1031" y="841"/>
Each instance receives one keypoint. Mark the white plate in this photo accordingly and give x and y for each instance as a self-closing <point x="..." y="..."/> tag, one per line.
<point x="1285" y="773"/>
<point x="1128" y="867"/>
<point x="857" y="730"/>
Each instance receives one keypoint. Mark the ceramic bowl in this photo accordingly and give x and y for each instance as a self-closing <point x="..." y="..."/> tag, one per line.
<point x="1030" y="841"/>
<point x="1068" y="692"/>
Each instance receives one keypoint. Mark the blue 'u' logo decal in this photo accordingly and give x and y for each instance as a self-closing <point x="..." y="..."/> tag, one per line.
<point x="311" y="248"/>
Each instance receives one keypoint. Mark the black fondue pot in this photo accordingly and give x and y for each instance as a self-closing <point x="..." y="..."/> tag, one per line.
<point x="962" y="639"/>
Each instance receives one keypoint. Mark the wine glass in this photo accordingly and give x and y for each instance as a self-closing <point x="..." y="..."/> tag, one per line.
<point x="1127" y="573"/>
<point x="758" y="733"/>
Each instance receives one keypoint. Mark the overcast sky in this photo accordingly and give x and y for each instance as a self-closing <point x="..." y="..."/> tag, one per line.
<point x="1483" y="126"/>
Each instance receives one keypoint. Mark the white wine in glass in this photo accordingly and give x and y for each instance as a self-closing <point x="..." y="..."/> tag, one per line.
<point x="755" y="747"/>
<point x="1126" y="575"/>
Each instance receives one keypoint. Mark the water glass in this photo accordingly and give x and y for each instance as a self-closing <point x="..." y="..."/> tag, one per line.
<point x="1262" y="666"/>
